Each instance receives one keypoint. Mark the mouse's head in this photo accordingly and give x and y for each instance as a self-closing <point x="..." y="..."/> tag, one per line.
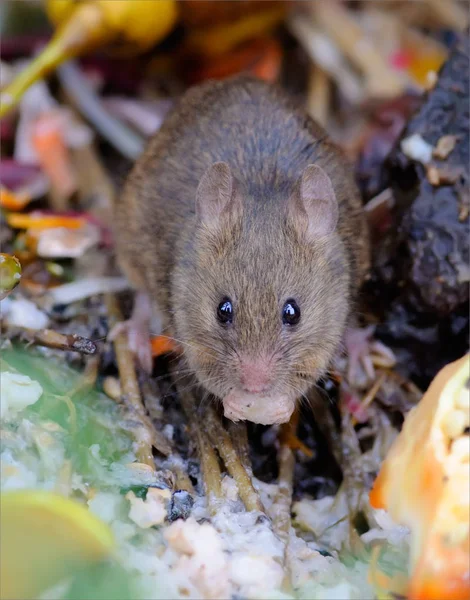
<point x="262" y="302"/>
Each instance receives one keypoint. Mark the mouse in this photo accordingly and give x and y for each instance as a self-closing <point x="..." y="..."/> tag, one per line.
<point x="241" y="229"/>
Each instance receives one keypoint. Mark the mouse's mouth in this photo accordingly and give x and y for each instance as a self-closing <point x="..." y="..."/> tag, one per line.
<point x="263" y="408"/>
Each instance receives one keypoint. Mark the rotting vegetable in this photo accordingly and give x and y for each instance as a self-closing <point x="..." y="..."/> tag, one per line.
<point x="425" y="484"/>
<point x="10" y="274"/>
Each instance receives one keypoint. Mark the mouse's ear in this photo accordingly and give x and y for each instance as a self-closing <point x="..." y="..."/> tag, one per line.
<point x="313" y="207"/>
<point x="214" y="195"/>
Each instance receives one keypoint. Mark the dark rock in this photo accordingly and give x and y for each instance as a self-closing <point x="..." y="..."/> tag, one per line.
<point x="180" y="506"/>
<point x="420" y="282"/>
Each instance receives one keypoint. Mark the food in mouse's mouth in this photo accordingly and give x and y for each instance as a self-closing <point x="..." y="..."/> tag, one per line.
<point x="265" y="410"/>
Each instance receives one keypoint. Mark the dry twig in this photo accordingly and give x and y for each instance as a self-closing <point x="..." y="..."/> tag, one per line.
<point x="54" y="339"/>
<point x="282" y="504"/>
<point x="371" y="394"/>
<point x="223" y="442"/>
<point x="94" y="185"/>
<point x="130" y="386"/>
<point x="80" y="94"/>
<point x="183" y="482"/>
<point x="239" y="435"/>
<point x="450" y="13"/>
<point x="319" y="95"/>
<point x="336" y="21"/>
<point x="324" y="53"/>
<point x="283" y="499"/>
<point x="210" y="468"/>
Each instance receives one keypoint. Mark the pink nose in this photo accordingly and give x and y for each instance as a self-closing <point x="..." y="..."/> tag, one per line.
<point x="255" y="374"/>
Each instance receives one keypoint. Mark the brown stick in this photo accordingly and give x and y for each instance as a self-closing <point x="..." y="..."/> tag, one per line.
<point x="239" y="435"/>
<point x="130" y="384"/>
<point x="337" y="22"/>
<point x="53" y="339"/>
<point x="221" y="439"/>
<point x="93" y="181"/>
<point x="372" y="393"/>
<point x="318" y="99"/>
<point x="450" y="13"/>
<point x="313" y="40"/>
<point x="210" y="468"/>
<point x="182" y="478"/>
<point x="283" y="500"/>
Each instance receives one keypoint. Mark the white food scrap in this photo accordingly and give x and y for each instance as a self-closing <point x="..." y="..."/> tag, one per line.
<point x="326" y="518"/>
<point x="255" y="574"/>
<point x="105" y="505"/>
<point x="202" y="557"/>
<point x="417" y="148"/>
<point x="20" y="312"/>
<point x="61" y="242"/>
<point x="267" y="410"/>
<point x="17" y="392"/>
<point x="149" y="512"/>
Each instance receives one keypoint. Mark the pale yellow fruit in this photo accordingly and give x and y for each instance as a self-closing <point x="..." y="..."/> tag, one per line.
<point x="140" y="23"/>
<point x="44" y="538"/>
<point x="126" y="26"/>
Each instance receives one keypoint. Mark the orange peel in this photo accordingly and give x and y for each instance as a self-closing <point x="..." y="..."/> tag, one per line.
<point x="160" y="345"/>
<point x="13" y="201"/>
<point x="42" y="221"/>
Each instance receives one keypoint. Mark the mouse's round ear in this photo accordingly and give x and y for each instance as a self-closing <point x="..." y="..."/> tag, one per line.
<point x="313" y="208"/>
<point x="215" y="194"/>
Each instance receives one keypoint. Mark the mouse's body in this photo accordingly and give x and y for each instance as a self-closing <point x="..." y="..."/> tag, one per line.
<point x="243" y="224"/>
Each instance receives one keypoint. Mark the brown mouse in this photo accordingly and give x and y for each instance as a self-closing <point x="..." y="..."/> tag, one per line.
<point x="242" y="224"/>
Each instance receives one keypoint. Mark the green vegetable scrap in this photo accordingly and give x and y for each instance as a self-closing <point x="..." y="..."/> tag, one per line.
<point x="10" y="274"/>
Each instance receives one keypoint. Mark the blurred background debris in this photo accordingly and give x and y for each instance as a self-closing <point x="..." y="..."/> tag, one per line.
<point x="83" y="86"/>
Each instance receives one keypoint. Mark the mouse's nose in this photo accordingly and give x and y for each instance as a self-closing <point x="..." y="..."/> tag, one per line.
<point x="255" y="374"/>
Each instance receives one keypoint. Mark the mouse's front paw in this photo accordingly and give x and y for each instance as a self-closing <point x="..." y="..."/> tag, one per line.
<point x="138" y="338"/>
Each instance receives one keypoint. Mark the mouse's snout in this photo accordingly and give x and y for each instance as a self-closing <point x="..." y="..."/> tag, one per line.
<point x="256" y="373"/>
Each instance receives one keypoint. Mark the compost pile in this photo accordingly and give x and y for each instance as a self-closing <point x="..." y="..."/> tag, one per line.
<point x="181" y="503"/>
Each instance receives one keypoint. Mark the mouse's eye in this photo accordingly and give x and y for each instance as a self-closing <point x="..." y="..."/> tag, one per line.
<point x="225" y="311"/>
<point x="291" y="313"/>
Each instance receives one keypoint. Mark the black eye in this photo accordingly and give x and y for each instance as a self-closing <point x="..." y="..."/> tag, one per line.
<point x="225" y="311"/>
<point x="290" y="313"/>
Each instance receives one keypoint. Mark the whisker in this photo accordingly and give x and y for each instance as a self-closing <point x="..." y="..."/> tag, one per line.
<point x="182" y="372"/>
<point x="190" y="386"/>
<point x="195" y="381"/>
<point x="206" y="398"/>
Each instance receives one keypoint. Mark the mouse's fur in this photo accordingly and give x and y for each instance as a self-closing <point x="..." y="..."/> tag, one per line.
<point x="254" y="254"/>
